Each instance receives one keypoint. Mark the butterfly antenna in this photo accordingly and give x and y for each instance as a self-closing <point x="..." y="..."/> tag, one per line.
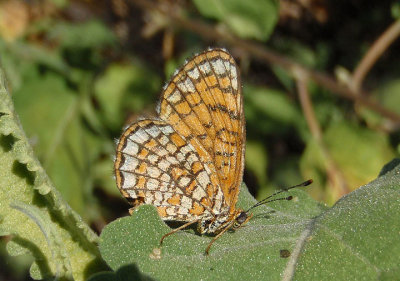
<point x="269" y="200"/>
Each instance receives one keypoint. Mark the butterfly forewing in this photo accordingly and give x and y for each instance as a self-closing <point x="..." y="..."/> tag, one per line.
<point x="208" y="90"/>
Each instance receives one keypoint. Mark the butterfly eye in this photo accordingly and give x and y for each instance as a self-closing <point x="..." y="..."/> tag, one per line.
<point x="240" y="219"/>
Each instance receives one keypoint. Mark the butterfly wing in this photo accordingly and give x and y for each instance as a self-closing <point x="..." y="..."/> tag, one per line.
<point x="204" y="104"/>
<point x="155" y="165"/>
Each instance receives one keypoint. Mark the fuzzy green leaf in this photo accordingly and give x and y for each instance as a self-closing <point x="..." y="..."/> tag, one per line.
<point x="33" y="212"/>
<point x="251" y="252"/>
<point x="357" y="239"/>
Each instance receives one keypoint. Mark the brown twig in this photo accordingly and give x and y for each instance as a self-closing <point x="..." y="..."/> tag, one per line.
<point x="335" y="176"/>
<point x="175" y="18"/>
<point x="306" y="105"/>
<point x="373" y="54"/>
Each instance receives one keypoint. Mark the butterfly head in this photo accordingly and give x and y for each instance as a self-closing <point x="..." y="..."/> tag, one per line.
<point x="242" y="218"/>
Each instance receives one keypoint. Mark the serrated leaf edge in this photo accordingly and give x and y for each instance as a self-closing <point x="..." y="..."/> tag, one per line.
<point x="23" y="153"/>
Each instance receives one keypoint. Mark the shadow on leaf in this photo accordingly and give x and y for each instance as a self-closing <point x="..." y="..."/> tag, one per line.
<point x="124" y="273"/>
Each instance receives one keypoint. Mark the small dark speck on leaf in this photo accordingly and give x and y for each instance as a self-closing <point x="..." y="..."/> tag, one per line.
<point x="284" y="253"/>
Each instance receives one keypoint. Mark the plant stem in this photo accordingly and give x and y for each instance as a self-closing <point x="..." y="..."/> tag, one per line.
<point x="373" y="54"/>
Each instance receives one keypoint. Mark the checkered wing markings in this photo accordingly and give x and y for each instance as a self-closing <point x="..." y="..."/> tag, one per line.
<point x="204" y="100"/>
<point x="194" y="180"/>
<point x="195" y="134"/>
<point x="229" y="148"/>
<point x="158" y="167"/>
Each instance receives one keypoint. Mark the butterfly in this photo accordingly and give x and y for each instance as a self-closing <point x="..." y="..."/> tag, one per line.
<point x="188" y="161"/>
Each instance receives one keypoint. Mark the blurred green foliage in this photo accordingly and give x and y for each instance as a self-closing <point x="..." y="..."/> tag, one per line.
<point x="251" y="19"/>
<point x="79" y="71"/>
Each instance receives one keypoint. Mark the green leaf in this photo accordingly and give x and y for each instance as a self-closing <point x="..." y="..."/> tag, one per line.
<point x="275" y="227"/>
<point x="89" y="34"/>
<point x="271" y="110"/>
<point x="49" y="231"/>
<point x="360" y="152"/>
<point x="257" y="160"/>
<point x="357" y="152"/>
<point x="248" y="19"/>
<point x="299" y="52"/>
<point x="19" y="59"/>
<point x="356" y="239"/>
<point x="103" y="170"/>
<point x="60" y="3"/>
<point x="64" y="146"/>
<point x="395" y="10"/>
<point x="124" y="273"/>
<point x="39" y="211"/>
<point x="124" y="87"/>
<point x="387" y="95"/>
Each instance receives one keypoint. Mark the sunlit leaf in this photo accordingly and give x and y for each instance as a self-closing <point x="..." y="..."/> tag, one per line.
<point x="32" y="210"/>
<point x="298" y="239"/>
<point x="273" y="228"/>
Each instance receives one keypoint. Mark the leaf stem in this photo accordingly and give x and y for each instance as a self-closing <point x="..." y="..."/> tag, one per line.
<point x="373" y="54"/>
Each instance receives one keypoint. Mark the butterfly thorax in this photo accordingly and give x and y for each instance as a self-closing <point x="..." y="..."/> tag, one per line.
<point x="222" y="221"/>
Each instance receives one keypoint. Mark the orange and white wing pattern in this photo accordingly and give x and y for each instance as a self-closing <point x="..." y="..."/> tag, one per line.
<point x="204" y="101"/>
<point x="189" y="161"/>
<point x="155" y="165"/>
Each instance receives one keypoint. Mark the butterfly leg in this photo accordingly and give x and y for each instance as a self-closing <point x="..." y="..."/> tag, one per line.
<point x="177" y="229"/>
<point x="218" y="236"/>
